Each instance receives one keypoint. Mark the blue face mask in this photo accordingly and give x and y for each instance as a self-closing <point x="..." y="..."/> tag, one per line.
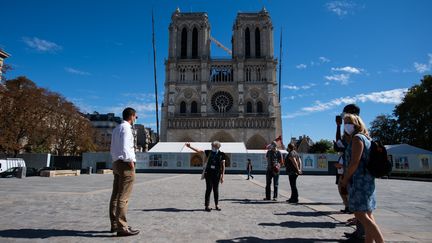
<point x="134" y="121"/>
<point x="214" y="150"/>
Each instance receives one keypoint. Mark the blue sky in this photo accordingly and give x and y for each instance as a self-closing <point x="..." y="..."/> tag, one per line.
<point x="98" y="54"/>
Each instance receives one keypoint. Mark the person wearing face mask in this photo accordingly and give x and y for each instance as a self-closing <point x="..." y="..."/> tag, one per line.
<point x="358" y="180"/>
<point x="214" y="172"/>
<point x="341" y="146"/>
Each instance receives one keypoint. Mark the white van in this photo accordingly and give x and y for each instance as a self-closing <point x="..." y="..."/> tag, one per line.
<point x="10" y="163"/>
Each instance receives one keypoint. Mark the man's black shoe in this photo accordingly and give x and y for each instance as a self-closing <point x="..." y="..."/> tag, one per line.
<point x="292" y="201"/>
<point x="354" y="235"/>
<point x="128" y="232"/>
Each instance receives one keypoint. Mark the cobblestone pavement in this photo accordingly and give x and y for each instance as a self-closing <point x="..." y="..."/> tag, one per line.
<point x="169" y="208"/>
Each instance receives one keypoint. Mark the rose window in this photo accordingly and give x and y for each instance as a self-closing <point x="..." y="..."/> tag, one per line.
<point x="222" y="101"/>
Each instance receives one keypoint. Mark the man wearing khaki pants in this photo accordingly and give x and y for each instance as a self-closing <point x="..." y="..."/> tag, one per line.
<point x="123" y="155"/>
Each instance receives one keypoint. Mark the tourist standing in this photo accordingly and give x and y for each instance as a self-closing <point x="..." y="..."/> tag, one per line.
<point x="123" y="154"/>
<point x="360" y="183"/>
<point x="342" y="144"/>
<point x="293" y="170"/>
<point x="214" y="172"/>
<point x="274" y="163"/>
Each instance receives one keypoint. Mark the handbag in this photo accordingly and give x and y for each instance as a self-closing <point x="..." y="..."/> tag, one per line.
<point x="276" y="168"/>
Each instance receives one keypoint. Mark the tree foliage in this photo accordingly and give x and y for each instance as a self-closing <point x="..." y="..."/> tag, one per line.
<point x="385" y="128"/>
<point x="322" y="146"/>
<point x="415" y="114"/>
<point x="34" y="119"/>
<point x="412" y="122"/>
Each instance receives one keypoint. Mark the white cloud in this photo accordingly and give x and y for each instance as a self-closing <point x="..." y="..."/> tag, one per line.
<point x="341" y="8"/>
<point x="294" y="87"/>
<point x="321" y="60"/>
<point x="76" y="71"/>
<point x="293" y="115"/>
<point x="142" y="109"/>
<point x="41" y="45"/>
<point x="421" y="68"/>
<point x="342" y="78"/>
<point x="291" y="87"/>
<point x="324" y="59"/>
<point x="424" y="67"/>
<point x="394" y="96"/>
<point x="348" y="69"/>
<point x="140" y="96"/>
<point x="301" y="66"/>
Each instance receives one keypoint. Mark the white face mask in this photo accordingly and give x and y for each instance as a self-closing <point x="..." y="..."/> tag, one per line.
<point x="349" y="128"/>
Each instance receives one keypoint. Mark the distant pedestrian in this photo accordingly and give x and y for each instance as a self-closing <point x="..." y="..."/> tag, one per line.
<point x="214" y="172"/>
<point x="360" y="183"/>
<point x="123" y="155"/>
<point x="249" y="169"/>
<point x="293" y="170"/>
<point x="274" y="163"/>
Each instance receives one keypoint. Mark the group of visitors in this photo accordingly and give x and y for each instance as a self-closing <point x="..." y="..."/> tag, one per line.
<point x="275" y="161"/>
<point x="356" y="185"/>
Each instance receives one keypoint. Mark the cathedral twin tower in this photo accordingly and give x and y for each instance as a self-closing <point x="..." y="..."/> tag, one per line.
<point x="232" y="99"/>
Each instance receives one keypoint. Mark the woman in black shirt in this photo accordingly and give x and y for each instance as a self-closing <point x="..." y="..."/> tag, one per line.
<point x="293" y="169"/>
<point x="214" y="172"/>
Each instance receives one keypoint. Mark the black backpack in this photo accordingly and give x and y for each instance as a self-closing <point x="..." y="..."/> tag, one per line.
<point x="378" y="164"/>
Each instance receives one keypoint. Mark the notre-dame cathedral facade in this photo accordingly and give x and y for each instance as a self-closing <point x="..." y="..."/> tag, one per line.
<point x="232" y="99"/>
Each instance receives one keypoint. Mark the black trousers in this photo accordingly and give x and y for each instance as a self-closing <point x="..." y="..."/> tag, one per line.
<point x="269" y="176"/>
<point x="293" y="184"/>
<point x="212" y="178"/>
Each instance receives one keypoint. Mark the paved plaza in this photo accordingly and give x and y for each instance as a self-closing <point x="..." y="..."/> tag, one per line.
<point x="169" y="208"/>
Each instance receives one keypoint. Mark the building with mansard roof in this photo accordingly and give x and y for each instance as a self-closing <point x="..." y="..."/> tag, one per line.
<point x="231" y="100"/>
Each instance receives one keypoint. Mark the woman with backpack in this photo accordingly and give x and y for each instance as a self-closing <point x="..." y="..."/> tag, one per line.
<point x="360" y="183"/>
<point x="293" y="170"/>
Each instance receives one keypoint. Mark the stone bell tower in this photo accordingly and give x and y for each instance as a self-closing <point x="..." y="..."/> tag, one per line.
<point x="232" y="99"/>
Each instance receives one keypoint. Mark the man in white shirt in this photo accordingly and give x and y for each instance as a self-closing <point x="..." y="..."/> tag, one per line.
<point x="123" y="155"/>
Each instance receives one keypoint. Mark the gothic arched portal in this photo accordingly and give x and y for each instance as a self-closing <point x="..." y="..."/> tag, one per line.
<point x="256" y="142"/>
<point x="222" y="136"/>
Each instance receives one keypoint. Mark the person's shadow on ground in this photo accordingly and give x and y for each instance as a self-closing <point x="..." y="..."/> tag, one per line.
<point x="170" y="210"/>
<point x="253" y="239"/>
<point x="47" y="233"/>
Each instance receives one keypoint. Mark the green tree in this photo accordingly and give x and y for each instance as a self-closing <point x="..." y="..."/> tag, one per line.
<point x="34" y="119"/>
<point x="415" y="115"/>
<point x="385" y="128"/>
<point x="322" y="146"/>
